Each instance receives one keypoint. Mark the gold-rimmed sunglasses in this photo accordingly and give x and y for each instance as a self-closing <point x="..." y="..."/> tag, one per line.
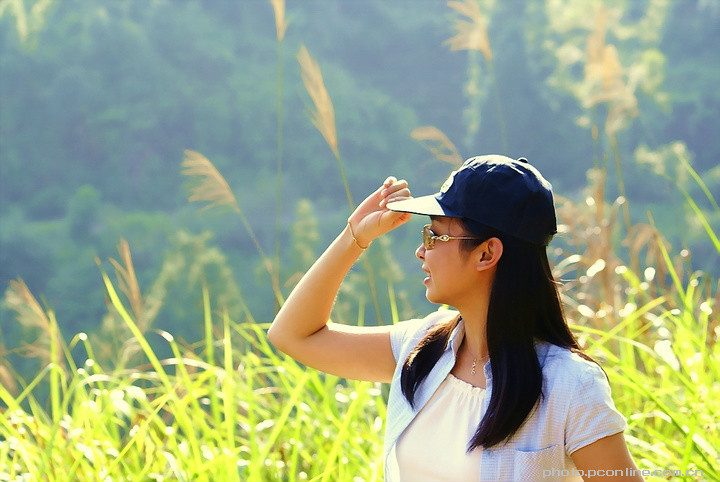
<point x="429" y="237"/>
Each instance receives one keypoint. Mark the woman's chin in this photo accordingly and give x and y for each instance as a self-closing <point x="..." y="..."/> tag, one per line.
<point x="431" y="296"/>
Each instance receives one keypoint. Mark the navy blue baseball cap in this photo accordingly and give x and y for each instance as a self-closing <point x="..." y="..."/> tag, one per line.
<point x="496" y="191"/>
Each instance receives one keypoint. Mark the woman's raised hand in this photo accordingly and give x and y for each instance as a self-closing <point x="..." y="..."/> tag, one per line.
<point x="301" y="327"/>
<point x="372" y="218"/>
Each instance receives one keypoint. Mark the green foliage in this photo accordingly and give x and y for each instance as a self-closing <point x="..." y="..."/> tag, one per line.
<point x="82" y="212"/>
<point x="304" y="237"/>
<point x="99" y="100"/>
<point x="108" y="95"/>
<point x="231" y="407"/>
<point x="228" y="408"/>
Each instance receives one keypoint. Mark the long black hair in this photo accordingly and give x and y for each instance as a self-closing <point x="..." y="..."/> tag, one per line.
<point x="524" y="308"/>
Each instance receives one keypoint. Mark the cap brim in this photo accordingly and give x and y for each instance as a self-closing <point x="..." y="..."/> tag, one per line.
<point x="427" y="205"/>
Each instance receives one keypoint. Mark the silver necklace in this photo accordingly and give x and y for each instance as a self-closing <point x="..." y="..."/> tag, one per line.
<point x="473" y="368"/>
<point x="475" y="362"/>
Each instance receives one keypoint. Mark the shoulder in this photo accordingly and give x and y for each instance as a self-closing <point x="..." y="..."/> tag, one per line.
<point x="405" y="335"/>
<point x="578" y="394"/>
<point x="567" y="368"/>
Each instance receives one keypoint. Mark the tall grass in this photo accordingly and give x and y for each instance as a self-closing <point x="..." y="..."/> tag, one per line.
<point x="227" y="408"/>
<point x="230" y="408"/>
<point x="472" y="35"/>
<point x="653" y="324"/>
<point x="281" y="24"/>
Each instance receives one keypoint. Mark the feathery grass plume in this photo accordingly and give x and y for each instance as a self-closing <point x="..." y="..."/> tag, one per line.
<point x="471" y="34"/>
<point x="435" y="141"/>
<point x="26" y="23"/>
<point x="127" y="280"/>
<point x="605" y="79"/>
<point x="606" y="82"/>
<point x="145" y="308"/>
<point x="7" y="379"/>
<point x="589" y="228"/>
<point x="31" y="314"/>
<point x="281" y="22"/>
<point x="212" y="186"/>
<point x="323" y="117"/>
<point x="49" y="346"/>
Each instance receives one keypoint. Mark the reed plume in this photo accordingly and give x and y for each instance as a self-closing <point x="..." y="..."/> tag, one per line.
<point x="7" y="379"/>
<point x="435" y="141"/>
<point x="26" y="23"/>
<point x="281" y="22"/>
<point x="606" y="80"/>
<point x="323" y="117"/>
<point x="211" y="186"/>
<point x="31" y="314"/>
<point x="471" y="34"/>
<point x="145" y="308"/>
<point x="127" y="281"/>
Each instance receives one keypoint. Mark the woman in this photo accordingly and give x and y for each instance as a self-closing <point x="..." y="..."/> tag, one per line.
<point x="496" y="389"/>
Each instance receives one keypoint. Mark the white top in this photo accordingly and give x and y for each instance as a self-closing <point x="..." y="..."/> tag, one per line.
<point x="434" y="446"/>
<point x="577" y="409"/>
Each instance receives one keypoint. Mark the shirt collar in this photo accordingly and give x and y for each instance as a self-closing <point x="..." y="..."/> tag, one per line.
<point x="456" y="338"/>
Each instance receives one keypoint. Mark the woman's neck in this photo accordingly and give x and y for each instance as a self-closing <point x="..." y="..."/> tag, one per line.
<point x="474" y="312"/>
<point x="475" y="340"/>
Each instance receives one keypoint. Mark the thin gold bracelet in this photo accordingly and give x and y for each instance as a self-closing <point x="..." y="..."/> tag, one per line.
<point x="355" y="239"/>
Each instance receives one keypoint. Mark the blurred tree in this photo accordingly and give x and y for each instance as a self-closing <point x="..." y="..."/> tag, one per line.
<point x="189" y="264"/>
<point x="83" y="214"/>
<point x="24" y="254"/>
<point x="99" y="99"/>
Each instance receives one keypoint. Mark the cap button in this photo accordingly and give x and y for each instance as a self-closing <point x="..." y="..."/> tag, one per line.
<point x="522" y="159"/>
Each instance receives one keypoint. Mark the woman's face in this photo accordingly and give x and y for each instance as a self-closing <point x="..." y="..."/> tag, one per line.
<point x="452" y="275"/>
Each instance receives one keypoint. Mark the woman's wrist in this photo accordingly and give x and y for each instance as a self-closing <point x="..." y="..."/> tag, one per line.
<point x="358" y="243"/>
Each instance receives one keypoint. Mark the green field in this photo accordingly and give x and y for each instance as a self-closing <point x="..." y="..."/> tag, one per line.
<point x="156" y="366"/>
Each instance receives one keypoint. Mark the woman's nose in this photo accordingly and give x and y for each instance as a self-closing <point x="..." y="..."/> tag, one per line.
<point x="420" y="252"/>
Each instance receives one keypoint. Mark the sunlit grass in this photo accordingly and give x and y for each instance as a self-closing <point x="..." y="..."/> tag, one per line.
<point x="662" y="363"/>
<point x="228" y="408"/>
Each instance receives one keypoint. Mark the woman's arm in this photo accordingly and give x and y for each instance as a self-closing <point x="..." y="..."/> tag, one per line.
<point x="301" y="327"/>
<point x="606" y="460"/>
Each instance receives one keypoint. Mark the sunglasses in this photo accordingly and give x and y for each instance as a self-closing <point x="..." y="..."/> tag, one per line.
<point x="429" y="237"/>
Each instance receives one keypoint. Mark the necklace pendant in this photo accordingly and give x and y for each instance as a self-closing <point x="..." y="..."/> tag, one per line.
<point x="472" y="370"/>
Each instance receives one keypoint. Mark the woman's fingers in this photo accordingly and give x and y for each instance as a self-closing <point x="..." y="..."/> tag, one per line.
<point x="371" y="218"/>
<point x="397" y="196"/>
<point x="392" y="185"/>
<point x="395" y="191"/>
<point x="389" y="181"/>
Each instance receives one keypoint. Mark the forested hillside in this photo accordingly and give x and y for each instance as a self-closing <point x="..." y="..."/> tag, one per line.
<point x="170" y="168"/>
<point x="99" y="101"/>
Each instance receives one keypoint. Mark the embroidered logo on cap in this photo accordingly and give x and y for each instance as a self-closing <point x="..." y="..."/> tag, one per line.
<point x="448" y="182"/>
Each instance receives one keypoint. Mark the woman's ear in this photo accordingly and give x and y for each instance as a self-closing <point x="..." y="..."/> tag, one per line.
<point x="489" y="253"/>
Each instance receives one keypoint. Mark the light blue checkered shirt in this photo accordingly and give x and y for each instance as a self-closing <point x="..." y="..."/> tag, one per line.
<point x="577" y="408"/>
